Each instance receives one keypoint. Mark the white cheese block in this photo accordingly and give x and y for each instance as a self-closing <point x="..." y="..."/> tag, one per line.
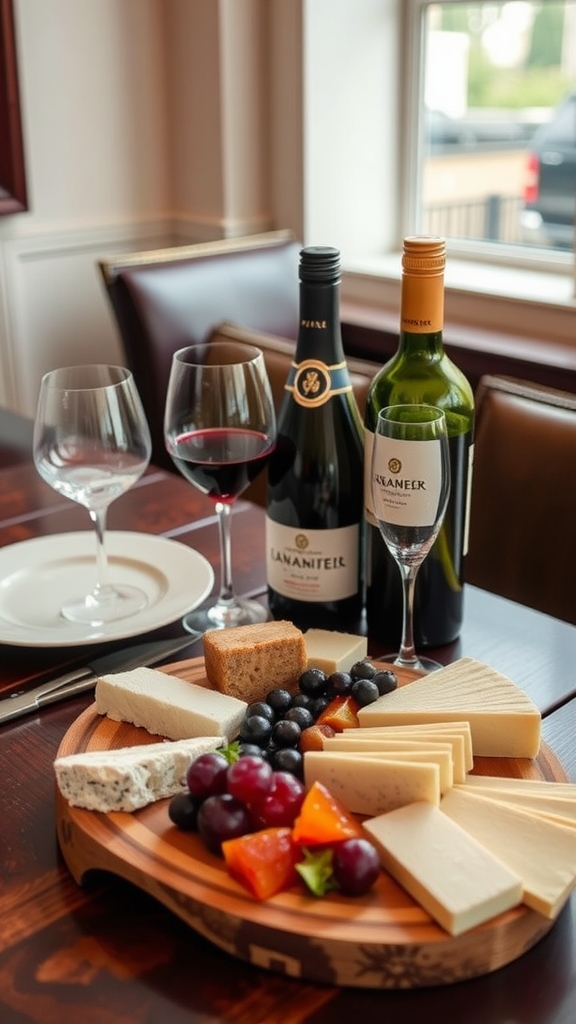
<point x="129" y="777"/>
<point x="457" y="881"/>
<point x="542" y="852"/>
<point x="333" y="652"/>
<point x="168" y="706"/>
<point x="448" y="729"/>
<point x="436" y="753"/>
<point x="504" y="722"/>
<point x="372" y="785"/>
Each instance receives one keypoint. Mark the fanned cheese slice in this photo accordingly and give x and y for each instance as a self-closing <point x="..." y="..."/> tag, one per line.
<point x="456" y="879"/>
<point x="541" y="852"/>
<point x="448" y="730"/>
<point x="372" y="785"/>
<point x="436" y="753"/>
<point x="504" y="722"/>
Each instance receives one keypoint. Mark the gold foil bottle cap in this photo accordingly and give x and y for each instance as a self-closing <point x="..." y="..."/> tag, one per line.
<point x="424" y="255"/>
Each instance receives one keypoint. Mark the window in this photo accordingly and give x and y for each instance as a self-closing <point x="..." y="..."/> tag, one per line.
<point x="399" y="96"/>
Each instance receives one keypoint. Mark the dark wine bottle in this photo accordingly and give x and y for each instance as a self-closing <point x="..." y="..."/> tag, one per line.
<point x="315" y="505"/>
<point x="420" y="371"/>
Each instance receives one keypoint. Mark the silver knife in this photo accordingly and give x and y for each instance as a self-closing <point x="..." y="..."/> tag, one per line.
<point x="81" y="679"/>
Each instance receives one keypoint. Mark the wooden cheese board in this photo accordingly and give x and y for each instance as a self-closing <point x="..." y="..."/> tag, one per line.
<point x="382" y="940"/>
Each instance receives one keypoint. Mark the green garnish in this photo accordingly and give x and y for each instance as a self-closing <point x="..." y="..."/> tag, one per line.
<point x="316" y="870"/>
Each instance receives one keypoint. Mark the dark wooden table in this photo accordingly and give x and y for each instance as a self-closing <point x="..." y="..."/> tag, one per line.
<point x="109" y="954"/>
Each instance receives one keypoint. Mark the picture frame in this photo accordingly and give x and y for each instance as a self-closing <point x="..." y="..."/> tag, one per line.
<point x="13" y="194"/>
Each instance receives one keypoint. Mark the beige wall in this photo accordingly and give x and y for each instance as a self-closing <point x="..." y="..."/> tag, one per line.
<point x="146" y="122"/>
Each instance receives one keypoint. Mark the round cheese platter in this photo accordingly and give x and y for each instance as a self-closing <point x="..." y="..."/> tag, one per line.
<point x="381" y="940"/>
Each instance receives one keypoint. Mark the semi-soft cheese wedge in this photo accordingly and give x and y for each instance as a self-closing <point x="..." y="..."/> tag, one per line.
<point x="353" y="739"/>
<point x="333" y="652"/>
<point x="504" y="722"/>
<point x="461" y="729"/>
<point x="372" y="785"/>
<point x="541" y="852"/>
<point x="129" y="777"/>
<point x="457" y="881"/>
<point x="437" y="753"/>
<point x="168" y="706"/>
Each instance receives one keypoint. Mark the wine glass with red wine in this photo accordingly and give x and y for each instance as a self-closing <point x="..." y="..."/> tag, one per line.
<point x="220" y="430"/>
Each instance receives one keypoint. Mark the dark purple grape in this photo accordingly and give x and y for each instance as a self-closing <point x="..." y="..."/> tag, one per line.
<point x="252" y="750"/>
<point x="302" y="716"/>
<point x="206" y="775"/>
<point x="364" y="691"/>
<point x="340" y="683"/>
<point x="317" y="705"/>
<point x="355" y="865"/>
<point x="255" y="729"/>
<point x="363" y="670"/>
<point x="250" y="779"/>
<point x="286" y="734"/>
<point x="385" y="680"/>
<point x="300" y="700"/>
<point x="289" y="759"/>
<point x="280" y="700"/>
<point x="222" y="817"/>
<point x="183" y="811"/>
<point x="261" y="707"/>
<point x="313" y="682"/>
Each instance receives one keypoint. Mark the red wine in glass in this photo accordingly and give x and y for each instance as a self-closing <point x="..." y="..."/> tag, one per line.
<point x="221" y="461"/>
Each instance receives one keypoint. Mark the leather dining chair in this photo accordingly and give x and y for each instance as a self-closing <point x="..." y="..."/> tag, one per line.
<point x="523" y="507"/>
<point x="165" y="299"/>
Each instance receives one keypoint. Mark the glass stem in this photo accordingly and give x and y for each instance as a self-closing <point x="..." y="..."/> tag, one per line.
<point x="103" y="589"/>
<point x="226" y="595"/>
<point x="407" y="654"/>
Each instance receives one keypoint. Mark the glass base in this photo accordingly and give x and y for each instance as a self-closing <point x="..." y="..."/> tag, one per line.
<point x="224" y="614"/>
<point x="417" y="663"/>
<point x="94" y="610"/>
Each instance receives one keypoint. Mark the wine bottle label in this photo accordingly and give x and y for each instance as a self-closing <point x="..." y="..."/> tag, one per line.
<point x="312" y="565"/>
<point x="312" y="382"/>
<point x="406" y="481"/>
<point x="368" y="499"/>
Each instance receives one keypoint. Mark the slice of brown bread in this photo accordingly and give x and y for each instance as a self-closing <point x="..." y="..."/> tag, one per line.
<point x="249" y="661"/>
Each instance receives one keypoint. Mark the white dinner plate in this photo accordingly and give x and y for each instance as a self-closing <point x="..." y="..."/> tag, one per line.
<point x="36" y="577"/>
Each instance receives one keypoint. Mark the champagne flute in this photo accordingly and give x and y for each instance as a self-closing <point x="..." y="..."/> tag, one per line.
<point x="91" y="444"/>
<point x="410" y="475"/>
<point x="220" y="430"/>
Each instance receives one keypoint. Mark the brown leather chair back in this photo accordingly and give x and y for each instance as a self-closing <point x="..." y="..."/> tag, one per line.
<point x="169" y="298"/>
<point x="523" y="509"/>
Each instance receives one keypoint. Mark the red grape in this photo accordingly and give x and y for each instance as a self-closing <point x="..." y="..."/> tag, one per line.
<point x="282" y="805"/>
<point x="250" y="779"/>
<point x="222" y="817"/>
<point x="356" y="866"/>
<point x="206" y="775"/>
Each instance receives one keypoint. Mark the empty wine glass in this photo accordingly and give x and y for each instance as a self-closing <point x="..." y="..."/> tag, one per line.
<point x="220" y="430"/>
<point x="91" y="444"/>
<point x="410" y="476"/>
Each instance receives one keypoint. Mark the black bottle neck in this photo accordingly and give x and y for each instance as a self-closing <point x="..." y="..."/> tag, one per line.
<point x="319" y="334"/>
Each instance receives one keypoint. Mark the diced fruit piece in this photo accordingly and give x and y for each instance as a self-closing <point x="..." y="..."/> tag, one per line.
<point x="323" y="819"/>
<point x="341" y="713"/>
<point x="264" y="862"/>
<point x="312" y="738"/>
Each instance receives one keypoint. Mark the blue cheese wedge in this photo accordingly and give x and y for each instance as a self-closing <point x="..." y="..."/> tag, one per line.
<point x="168" y="706"/>
<point x="504" y="722"/>
<point x="130" y="777"/>
<point x="457" y="881"/>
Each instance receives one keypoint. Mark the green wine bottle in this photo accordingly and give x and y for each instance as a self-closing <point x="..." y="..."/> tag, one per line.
<point x="420" y="371"/>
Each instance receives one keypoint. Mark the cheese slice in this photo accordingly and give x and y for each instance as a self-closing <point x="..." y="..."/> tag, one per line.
<point x="543" y="787"/>
<point x="542" y="852"/>
<point x="354" y="739"/>
<point x="168" y="706"/>
<point x="504" y="722"/>
<point x="372" y="785"/>
<point x="450" y="729"/>
<point x="457" y="881"/>
<point x="435" y="753"/>
<point x="547" y="804"/>
<point x="129" y="777"/>
<point x="331" y="651"/>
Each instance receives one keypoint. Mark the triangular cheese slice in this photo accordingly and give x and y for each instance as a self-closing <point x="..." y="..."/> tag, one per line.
<point x="504" y="722"/>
